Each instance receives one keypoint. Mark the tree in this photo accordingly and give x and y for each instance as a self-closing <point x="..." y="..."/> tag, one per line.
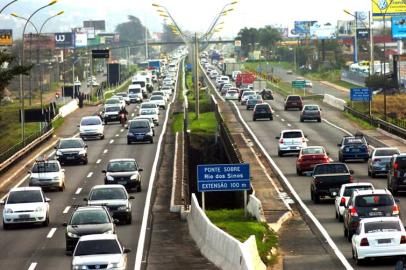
<point x="268" y="37"/>
<point x="9" y="69"/>
<point x="248" y="37"/>
<point x="132" y="31"/>
<point x="169" y="36"/>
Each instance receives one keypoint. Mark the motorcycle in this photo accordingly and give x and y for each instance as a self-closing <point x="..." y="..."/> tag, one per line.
<point x="123" y="119"/>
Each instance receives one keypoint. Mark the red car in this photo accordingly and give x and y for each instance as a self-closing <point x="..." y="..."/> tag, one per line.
<point x="310" y="157"/>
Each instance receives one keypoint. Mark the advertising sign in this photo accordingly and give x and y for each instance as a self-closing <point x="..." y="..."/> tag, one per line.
<point x="363" y="33"/>
<point x="322" y="31"/>
<point x="237" y="43"/>
<point x="45" y="41"/>
<point x="388" y="8"/>
<point x="6" y="37"/>
<point x="93" y="41"/>
<point x="90" y="32"/>
<point x="80" y="40"/>
<point x="302" y="27"/>
<point x="223" y="177"/>
<point x="101" y="53"/>
<point x="96" y="25"/>
<point x="64" y="40"/>
<point x="361" y="94"/>
<point x="345" y="28"/>
<point x="399" y="27"/>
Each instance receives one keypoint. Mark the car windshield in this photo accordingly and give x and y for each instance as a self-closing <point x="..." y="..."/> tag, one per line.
<point x="148" y="106"/>
<point x="247" y="93"/>
<point x="89" y="217"/>
<point x="113" y="101"/>
<point x="42" y="167"/>
<point x="141" y="83"/>
<point x="156" y="98"/>
<point x="95" y="247"/>
<point x="90" y="121"/>
<point x="122" y="166"/>
<point x="135" y="91"/>
<point x="311" y="108"/>
<point x="386" y="152"/>
<point x="349" y="190"/>
<point x="70" y="144"/>
<point x="382" y="226"/>
<point x="292" y="135"/>
<point x="25" y="196"/>
<point x="148" y="112"/>
<point x="112" y="109"/>
<point x="157" y="94"/>
<point x="232" y="92"/>
<point x="122" y="94"/>
<point x="313" y="151"/>
<point x="107" y="194"/>
<point x="373" y="200"/>
<point x="294" y="98"/>
<point x="330" y="169"/>
<point x="139" y="124"/>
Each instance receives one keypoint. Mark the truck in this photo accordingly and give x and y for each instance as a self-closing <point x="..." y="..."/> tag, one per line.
<point x="327" y="180"/>
<point x="230" y="67"/>
<point x="245" y="78"/>
<point x="155" y="64"/>
<point x="259" y="84"/>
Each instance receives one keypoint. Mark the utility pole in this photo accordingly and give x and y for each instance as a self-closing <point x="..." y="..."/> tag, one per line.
<point x="356" y="39"/>
<point x="196" y="74"/>
<point x="371" y="47"/>
<point x="146" y="41"/>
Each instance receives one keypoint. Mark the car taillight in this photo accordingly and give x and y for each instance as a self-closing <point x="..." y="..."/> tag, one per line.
<point x="326" y="159"/>
<point x="403" y="239"/>
<point x="395" y="166"/>
<point x="281" y="141"/>
<point x="395" y="210"/>
<point x="353" y="212"/>
<point x="376" y="160"/>
<point x="364" y="242"/>
<point x="342" y="200"/>
<point x="299" y="159"/>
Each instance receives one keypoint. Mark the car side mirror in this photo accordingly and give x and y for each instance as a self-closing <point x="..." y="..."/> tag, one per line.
<point x="140" y="169"/>
<point x="339" y="144"/>
<point x="2" y="202"/>
<point x="127" y="250"/>
<point x="126" y="127"/>
<point x="397" y="200"/>
<point x="55" y="147"/>
<point x="351" y="172"/>
<point x="85" y="199"/>
<point x="116" y="221"/>
<point x="78" y="125"/>
<point x="277" y="137"/>
<point x="47" y="199"/>
<point x="62" y="170"/>
<point x="131" y="198"/>
<point x="327" y="153"/>
<point x="29" y="172"/>
<point x="86" y="146"/>
<point x="65" y="224"/>
<point x="104" y="171"/>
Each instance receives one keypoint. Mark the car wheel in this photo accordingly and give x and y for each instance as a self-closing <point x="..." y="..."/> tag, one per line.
<point x="62" y="188"/>
<point x="254" y="119"/>
<point x="139" y="188"/>
<point x="128" y="142"/>
<point x="46" y="222"/>
<point x="151" y="141"/>
<point x="319" y="120"/>
<point x="280" y="154"/>
<point x="336" y="214"/>
<point x="129" y="219"/>
<point x="340" y="218"/>
<point x="369" y="173"/>
<point x="373" y="175"/>
<point x="345" y="231"/>
<point x="358" y="261"/>
<point x="316" y="198"/>
<point x="85" y="162"/>
<point x="285" y="108"/>
<point x="6" y="226"/>
<point x="105" y="122"/>
<point x="349" y="236"/>
<point x="301" y="120"/>
<point x="299" y="172"/>
<point x="102" y="137"/>
<point x="394" y="190"/>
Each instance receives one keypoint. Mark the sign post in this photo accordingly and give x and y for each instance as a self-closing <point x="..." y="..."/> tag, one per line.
<point x="361" y="95"/>
<point x="299" y="84"/>
<point x="223" y="177"/>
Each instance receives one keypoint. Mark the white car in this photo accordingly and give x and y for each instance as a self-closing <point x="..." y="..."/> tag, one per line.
<point x="160" y="93"/>
<point x="135" y="93"/>
<point x="125" y="97"/>
<point x="378" y="237"/>
<point x="47" y="174"/>
<point x="224" y="79"/>
<point x="91" y="127"/>
<point x="168" y="81"/>
<point x="344" y="195"/>
<point x="150" y="113"/>
<point x="245" y="95"/>
<point x="167" y="90"/>
<point x="99" y="251"/>
<point x="234" y="74"/>
<point x="25" y="205"/>
<point x="148" y="106"/>
<point x="123" y="104"/>
<point x="213" y="74"/>
<point x="114" y="101"/>
<point x="231" y="95"/>
<point x="291" y="141"/>
<point x="158" y="100"/>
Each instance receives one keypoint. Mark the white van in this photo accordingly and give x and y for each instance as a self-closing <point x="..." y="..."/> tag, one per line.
<point x="135" y="93"/>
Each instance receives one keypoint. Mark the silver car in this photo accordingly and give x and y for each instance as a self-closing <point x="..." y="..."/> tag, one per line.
<point x="47" y="174"/>
<point x="291" y="141"/>
<point x="379" y="159"/>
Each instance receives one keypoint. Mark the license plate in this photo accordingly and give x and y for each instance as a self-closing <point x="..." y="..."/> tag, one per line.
<point x="355" y="150"/>
<point x="139" y="137"/>
<point x="293" y="148"/>
<point x="333" y="190"/>
<point x="70" y="158"/>
<point x="375" y="214"/>
<point x="384" y="241"/>
<point x="122" y="182"/>
<point x="24" y="216"/>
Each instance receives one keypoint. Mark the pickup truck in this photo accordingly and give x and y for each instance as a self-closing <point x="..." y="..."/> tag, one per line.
<point x="327" y="180"/>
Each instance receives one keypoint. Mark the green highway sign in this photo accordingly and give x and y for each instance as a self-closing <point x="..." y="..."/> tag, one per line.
<point x="299" y="84"/>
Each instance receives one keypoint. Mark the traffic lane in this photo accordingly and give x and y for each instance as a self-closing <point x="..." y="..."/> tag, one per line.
<point x="128" y="234"/>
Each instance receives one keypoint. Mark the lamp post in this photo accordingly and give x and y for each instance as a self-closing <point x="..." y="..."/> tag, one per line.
<point x="3" y="8"/>
<point x="21" y="63"/>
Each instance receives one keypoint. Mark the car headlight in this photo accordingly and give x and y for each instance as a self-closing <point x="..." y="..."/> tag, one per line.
<point x="109" y="232"/>
<point x="150" y="133"/>
<point x="115" y="265"/>
<point x="130" y="134"/>
<point x="123" y="207"/>
<point x="8" y="211"/>
<point x="55" y="178"/>
<point x="134" y="177"/>
<point x="73" y="235"/>
<point x="82" y="152"/>
<point x="79" y="267"/>
<point x="109" y="178"/>
<point x="58" y="153"/>
<point x="39" y="209"/>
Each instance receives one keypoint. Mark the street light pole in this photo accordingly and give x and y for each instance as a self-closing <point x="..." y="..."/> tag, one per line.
<point x="7" y="6"/>
<point x="196" y="74"/>
<point x="356" y="39"/>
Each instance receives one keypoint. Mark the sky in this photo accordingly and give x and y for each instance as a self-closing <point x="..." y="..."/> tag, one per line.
<point x="190" y="15"/>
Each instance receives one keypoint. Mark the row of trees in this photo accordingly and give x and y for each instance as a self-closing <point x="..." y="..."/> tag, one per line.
<point x="258" y="38"/>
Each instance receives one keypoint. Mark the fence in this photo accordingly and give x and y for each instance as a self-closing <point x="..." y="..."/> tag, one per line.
<point x="353" y="77"/>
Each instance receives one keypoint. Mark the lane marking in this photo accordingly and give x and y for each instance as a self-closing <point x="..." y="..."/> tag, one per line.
<point x="309" y="213"/>
<point x="51" y="233"/>
<point x="78" y="191"/>
<point x="277" y="115"/>
<point x="117" y="135"/>
<point x="90" y="175"/>
<point x="98" y="161"/>
<point x="105" y="151"/>
<point x="121" y="130"/>
<point x="111" y="141"/>
<point x="32" y="266"/>
<point x="289" y="125"/>
<point x="51" y="154"/>
<point x="283" y="120"/>
<point x="66" y="210"/>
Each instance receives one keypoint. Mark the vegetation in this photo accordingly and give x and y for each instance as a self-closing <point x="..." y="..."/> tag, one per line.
<point x="132" y="31"/>
<point x="206" y="123"/>
<point x="265" y="37"/>
<point x="357" y="121"/>
<point x="234" y="223"/>
<point x="177" y="123"/>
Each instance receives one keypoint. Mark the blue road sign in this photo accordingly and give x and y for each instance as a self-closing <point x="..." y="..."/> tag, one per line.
<point x="223" y="177"/>
<point x="361" y="94"/>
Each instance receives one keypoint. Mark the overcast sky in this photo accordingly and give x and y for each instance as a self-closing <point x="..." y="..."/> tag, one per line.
<point x="191" y="15"/>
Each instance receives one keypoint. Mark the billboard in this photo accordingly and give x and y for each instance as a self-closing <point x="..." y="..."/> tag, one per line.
<point x="363" y="33"/>
<point x="302" y="27"/>
<point x="45" y="41"/>
<point x="388" y="8"/>
<point x="96" y="25"/>
<point x="6" y="37"/>
<point x="345" y="28"/>
<point x="399" y="27"/>
<point x="93" y="41"/>
<point x="90" y="32"/>
<point x="322" y="31"/>
<point x="64" y="40"/>
<point x="80" y="40"/>
<point x="283" y="31"/>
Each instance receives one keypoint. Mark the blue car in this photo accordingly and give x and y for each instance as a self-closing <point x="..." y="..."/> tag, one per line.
<point x="353" y="148"/>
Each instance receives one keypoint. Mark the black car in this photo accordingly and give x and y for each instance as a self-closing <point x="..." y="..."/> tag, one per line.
<point x="310" y="112"/>
<point x="367" y="204"/>
<point x="353" y="147"/>
<point x="139" y="131"/>
<point x="397" y="173"/>
<point x="125" y="172"/>
<point x="72" y="150"/>
<point x="293" y="102"/>
<point x="111" y="113"/>
<point x="262" y="111"/>
<point x="88" y="220"/>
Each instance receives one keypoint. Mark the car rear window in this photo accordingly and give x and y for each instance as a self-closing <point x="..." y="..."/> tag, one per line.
<point x="330" y="169"/>
<point x="139" y="124"/>
<point x="107" y="194"/>
<point x="91" y="121"/>
<point x="383" y="226"/>
<point x="292" y="135"/>
<point x="89" y="217"/>
<point x="42" y="167"/>
<point x="112" y="109"/>
<point x="312" y="151"/>
<point x="96" y="247"/>
<point x="294" y="98"/>
<point x="349" y="190"/>
<point x="311" y="108"/>
<point x="373" y="200"/>
<point x="263" y="107"/>
<point x="386" y="152"/>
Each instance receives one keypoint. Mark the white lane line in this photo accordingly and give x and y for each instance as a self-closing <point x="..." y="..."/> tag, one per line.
<point x="121" y="130"/>
<point x="78" y="191"/>
<point x="132" y="115"/>
<point x="117" y="135"/>
<point x="111" y="141"/>
<point x="51" y="154"/>
<point x="105" y="151"/>
<point x="289" y="125"/>
<point x="98" y="161"/>
<point x="283" y="120"/>
<point x="90" y="175"/>
<point x="51" y="233"/>
<point x="316" y="222"/>
<point x="277" y="115"/>
<point x="32" y="266"/>
<point x="17" y="185"/>
<point x="66" y="210"/>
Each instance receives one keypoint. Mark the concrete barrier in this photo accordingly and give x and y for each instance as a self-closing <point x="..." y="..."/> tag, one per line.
<point x="69" y="108"/>
<point x="254" y="207"/>
<point x="223" y="250"/>
<point x="335" y="102"/>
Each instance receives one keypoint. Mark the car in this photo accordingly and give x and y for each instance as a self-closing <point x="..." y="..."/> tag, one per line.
<point x="149" y="119"/>
<point x="125" y="172"/>
<point x="396" y="173"/>
<point x="150" y="113"/>
<point x="100" y="251"/>
<point x="231" y="95"/>
<point x="293" y="102"/>
<point x="224" y="88"/>
<point x="310" y="112"/>
<point x="308" y="84"/>
<point x="379" y="160"/>
<point x="291" y="141"/>
<point x="378" y="237"/>
<point x="24" y="205"/>
<point x="289" y="72"/>
<point x="47" y="174"/>
<point x="158" y="100"/>
<point x="213" y="74"/>
<point x="139" y="131"/>
<point x="353" y="148"/>
<point x="241" y="92"/>
<point x="71" y="150"/>
<point x="309" y="157"/>
<point x="160" y="93"/>
<point x="168" y="90"/>
<point x="253" y="100"/>
<point x="364" y="204"/>
<point x="121" y="99"/>
<point x="262" y="111"/>
<point x="224" y="80"/>
<point x="245" y="95"/>
<point x="91" y="127"/>
<point x="149" y="106"/>
<point x="125" y="97"/>
<point x="345" y="193"/>
<point x="135" y="93"/>
<point x="113" y="101"/>
<point x="87" y="220"/>
<point x="111" y="113"/>
<point x="234" y="74"/>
